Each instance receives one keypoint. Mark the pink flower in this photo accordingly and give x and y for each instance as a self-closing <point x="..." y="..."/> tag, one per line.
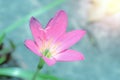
<point x="52" y="43"/>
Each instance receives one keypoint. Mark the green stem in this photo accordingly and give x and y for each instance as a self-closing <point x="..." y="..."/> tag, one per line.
<point x="35" y="75"/>
<point x="39" y="67"/>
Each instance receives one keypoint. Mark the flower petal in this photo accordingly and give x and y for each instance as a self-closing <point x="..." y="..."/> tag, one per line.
<point x="35" y="26"/>
<point x="32" y="46"/>
<point x="70" y="38"/>
<point x="69" y="55"/>
<point x="57" y="25"/>
<point x="37" y="31"/>
<point x="50" y="61"/>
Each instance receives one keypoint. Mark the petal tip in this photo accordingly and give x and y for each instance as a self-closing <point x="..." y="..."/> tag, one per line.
<point x="83" y="32"/>
<point x="61" y="12"/>
<point x="25" y="42"/>
<point x="32" y="19"/>
<point x="34" y="23"/>
<point x="82" y="58"/>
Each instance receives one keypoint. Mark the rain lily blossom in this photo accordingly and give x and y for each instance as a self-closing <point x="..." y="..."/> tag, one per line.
<point x="52" y="43"/>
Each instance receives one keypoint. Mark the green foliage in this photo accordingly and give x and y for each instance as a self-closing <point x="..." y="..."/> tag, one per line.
<point x="12" y="45"/>
<point x="2" y="36"/>
<point x="25" y="74"/>
<point x="8" y="49"/>
<point x="2" y="59"/>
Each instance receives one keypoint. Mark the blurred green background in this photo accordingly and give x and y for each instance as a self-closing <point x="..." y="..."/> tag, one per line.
<point x="101" y="44"/>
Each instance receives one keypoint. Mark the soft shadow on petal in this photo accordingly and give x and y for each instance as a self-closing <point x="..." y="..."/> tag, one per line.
<point x="69" y="55"/>
<point x="70" y="38"/>
<point x="32" y="46"/>
<point x="57" y="25"/>
<point x="50" y="62"/>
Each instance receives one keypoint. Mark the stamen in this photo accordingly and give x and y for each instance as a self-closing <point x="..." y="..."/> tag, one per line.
<point x="48" y="49"/>
<point x="45" y="52"/>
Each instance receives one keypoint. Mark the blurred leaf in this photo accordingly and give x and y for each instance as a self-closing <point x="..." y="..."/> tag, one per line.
<point x="5" y="50"/>
<point x="12" y="45"/>
<point x="25" y="74"/>
<point x="2" y="36"/>
<point x="2" y="59"/>
<point x="27" y="17"/>
<point x="8" y="49"/>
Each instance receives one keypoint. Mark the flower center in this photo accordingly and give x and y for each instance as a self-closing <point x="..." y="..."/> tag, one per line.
<point x="48" y="48"/>
<point x="47" y="53"/>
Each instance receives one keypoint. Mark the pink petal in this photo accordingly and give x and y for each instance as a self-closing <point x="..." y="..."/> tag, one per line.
<point x="70" y="39"/>
<point x="69" y="55"/>
<point x="35" y="27"/>
<point x="37" y="31"/>
<point x="32" y="46"/>
<point x="49" y="61"/>
<point x="57" y="25"/>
